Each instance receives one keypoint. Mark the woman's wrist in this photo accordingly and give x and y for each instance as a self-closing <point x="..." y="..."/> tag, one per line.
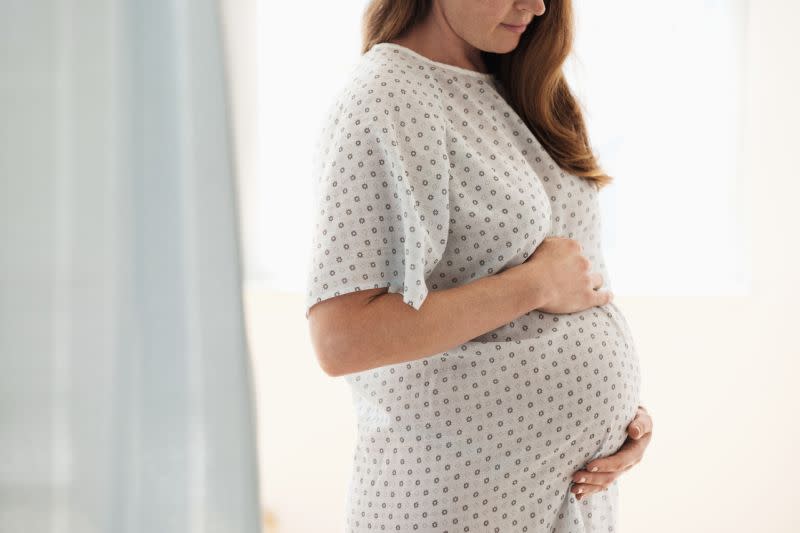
<point x="530" y="285"/>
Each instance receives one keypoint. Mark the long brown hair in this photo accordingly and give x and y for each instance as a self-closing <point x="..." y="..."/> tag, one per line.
<point x="531" y="75"/>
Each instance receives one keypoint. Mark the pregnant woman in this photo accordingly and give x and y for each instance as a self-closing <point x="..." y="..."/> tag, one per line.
<point x="457" y="279"/>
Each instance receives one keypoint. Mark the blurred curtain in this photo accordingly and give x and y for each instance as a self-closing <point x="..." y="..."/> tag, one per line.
<point x="126" y="402"/>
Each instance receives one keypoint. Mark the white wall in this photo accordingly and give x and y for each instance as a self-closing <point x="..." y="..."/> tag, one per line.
<point x="719" y="374"/>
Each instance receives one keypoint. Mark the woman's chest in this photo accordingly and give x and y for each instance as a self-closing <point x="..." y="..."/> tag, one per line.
<point x="506" y="196"/>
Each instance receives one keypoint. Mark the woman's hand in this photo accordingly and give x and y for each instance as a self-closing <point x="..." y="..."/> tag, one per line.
<point x="600" y="473"/>
<point x="563" y="277"/>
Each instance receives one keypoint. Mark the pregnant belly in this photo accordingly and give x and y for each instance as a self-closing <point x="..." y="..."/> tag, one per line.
<point x="586" y="371"/>
<point x="547" y="394"/>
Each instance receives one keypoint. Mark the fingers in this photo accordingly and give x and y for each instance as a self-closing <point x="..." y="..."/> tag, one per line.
<point x="603" y="297"/>
<point x="594" y="480"/>
<point x="600" y="297"/>
<point x="599" y="474"/>
<point x="597" y="279"/>
<point x="641" y="425"/>
<point x="593" y="483"/>
<point x="629" y="454"/>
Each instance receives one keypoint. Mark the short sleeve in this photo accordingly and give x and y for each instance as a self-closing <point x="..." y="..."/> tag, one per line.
<point x="381" y="195"/>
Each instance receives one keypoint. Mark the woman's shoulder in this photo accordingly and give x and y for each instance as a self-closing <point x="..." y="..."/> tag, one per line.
<point x="373" y="107"/>
<point x="381" y="83"/>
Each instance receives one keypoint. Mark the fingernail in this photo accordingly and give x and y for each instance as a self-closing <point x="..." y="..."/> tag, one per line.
<point x="580" y="491"/>
<point x="594" y="469"/>
<point x="582" y="480"/>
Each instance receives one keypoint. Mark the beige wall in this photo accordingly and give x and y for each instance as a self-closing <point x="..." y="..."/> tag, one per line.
<point x="719" y="374"/>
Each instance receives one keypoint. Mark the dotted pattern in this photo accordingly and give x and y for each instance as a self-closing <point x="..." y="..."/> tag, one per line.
<point x="428" y="180"/>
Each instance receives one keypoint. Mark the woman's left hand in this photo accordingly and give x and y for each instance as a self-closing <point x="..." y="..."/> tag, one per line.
<point x="600" y="473"/>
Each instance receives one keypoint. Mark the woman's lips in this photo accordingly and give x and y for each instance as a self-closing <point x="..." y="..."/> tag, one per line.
<point x="515" y="29"/>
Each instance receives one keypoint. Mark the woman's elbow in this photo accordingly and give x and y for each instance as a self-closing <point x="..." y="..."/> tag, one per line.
<point x="330" y="341"/>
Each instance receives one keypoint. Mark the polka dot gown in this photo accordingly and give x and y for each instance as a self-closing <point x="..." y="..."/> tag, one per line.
<point x="426" y="179"/>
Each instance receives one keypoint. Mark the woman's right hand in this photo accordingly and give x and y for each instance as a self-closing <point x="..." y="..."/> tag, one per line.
<point x="562" y="276"/>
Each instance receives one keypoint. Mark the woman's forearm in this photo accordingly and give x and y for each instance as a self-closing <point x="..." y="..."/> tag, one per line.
<point x="387" y="331"/>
